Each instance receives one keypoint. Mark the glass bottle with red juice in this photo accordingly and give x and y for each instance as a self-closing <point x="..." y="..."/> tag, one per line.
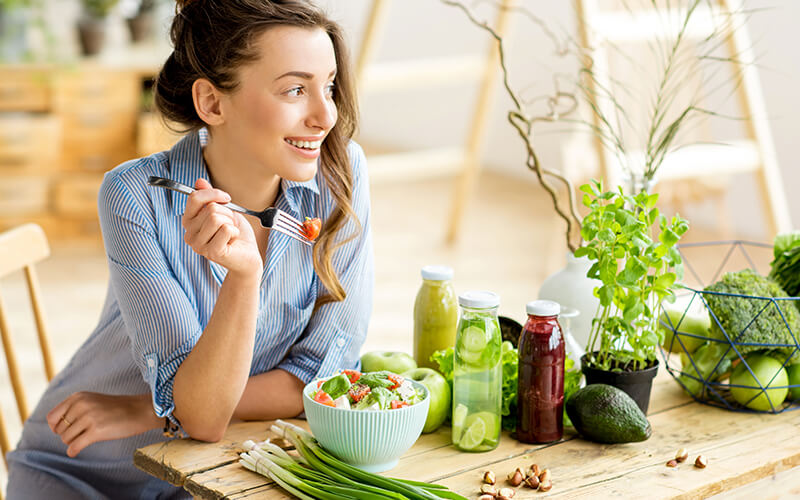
<point x="540" y="389"/>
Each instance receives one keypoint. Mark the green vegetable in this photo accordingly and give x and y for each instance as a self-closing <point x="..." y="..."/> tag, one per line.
<point x="376" y="379"/>
<point x="315" y="473"/>
<point x="785" y="267"/>
<point x="713" y="362"/>
<point x="336" y="386"/>
<point x="510" y="366"/>
<point x="752" y="320"/>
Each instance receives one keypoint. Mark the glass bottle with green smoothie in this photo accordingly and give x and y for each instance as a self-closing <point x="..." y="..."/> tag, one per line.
<point x="435" y="314"/>
<point x="477" y="374"/>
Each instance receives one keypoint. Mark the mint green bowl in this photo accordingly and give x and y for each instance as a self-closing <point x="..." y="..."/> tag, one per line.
<point x="372" y="440"/>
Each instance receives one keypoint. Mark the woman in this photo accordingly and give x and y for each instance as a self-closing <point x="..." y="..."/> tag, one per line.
<point x="209" y="316"/>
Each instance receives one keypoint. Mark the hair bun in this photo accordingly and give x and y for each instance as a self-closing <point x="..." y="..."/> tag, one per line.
<point x="183" y="3"/>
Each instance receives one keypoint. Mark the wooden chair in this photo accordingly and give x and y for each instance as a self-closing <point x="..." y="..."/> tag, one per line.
<point x="20" y="249"/>
<point x="710" y="164"/>
<point x="463" y="161"/>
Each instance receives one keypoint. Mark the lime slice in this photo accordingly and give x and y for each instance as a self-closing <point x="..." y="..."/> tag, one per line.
<point x="473" y="436"/>
<point x="491" y="422"/>
<point x="459" y="415"/>
<point x="473" y="339"/>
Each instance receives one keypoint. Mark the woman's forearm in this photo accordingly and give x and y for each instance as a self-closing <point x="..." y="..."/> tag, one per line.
<point x="267" y="396"/>
<point x="210" y="381"/>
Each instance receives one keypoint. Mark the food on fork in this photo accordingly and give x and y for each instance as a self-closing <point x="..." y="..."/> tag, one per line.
<point x="311" y="227"/>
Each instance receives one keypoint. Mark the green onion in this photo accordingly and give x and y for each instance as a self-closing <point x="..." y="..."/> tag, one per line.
<point x="317" y="474"/>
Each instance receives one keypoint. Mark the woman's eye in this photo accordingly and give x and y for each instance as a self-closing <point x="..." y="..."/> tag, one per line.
<point x="329" y="90"/>
<point x="295" y="92"/>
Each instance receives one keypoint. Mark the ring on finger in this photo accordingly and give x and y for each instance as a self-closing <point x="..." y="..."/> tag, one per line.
<point x="65" y="419"/>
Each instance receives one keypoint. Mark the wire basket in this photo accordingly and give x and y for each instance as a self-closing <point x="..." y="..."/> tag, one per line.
<point x="702" y="363"/>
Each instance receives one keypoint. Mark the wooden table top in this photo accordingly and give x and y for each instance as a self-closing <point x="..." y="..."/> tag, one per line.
<point x="749" y="455"/>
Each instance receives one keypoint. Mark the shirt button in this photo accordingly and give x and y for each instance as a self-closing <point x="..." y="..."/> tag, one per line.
<point x="151" y="363"/>
<point x="340" y="342"/>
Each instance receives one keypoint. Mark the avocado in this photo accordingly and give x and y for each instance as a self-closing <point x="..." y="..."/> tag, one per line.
<point x="605" y="414"/>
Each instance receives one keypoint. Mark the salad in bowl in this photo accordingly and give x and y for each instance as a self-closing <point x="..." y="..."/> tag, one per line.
<point x="353" y="390"/>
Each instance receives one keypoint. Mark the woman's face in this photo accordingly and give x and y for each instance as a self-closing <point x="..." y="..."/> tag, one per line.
<point x="283" y="108"/>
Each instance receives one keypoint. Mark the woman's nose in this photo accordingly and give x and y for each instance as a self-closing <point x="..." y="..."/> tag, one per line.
<point x="323" y="113"/>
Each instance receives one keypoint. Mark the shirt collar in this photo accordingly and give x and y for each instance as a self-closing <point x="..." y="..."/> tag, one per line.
<point x="186" y="165"/>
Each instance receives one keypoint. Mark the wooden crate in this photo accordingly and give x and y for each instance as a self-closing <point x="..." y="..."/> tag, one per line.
<point x="29" y="143"/>
<point x="24" y="195"/>
<point x="77" y="195"/>
<point x="24" y="89"/>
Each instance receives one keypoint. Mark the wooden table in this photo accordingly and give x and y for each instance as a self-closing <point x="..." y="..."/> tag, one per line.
<point x="749" y="456"/>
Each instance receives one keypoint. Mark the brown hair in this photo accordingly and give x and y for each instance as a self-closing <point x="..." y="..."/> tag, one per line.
<point x="212" y="39"/>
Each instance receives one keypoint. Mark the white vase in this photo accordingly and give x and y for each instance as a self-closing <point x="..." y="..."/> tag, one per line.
<point x="571" y="288"/>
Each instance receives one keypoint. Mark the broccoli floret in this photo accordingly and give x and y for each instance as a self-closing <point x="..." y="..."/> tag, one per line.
<point x="740" y="318"/>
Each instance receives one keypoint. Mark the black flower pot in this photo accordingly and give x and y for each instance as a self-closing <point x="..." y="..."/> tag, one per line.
<point x="636" y="384"/>
<point x="141" y="26"/>
<point x="92" y="35"/>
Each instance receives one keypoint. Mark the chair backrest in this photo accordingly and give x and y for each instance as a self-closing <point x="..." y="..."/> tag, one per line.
<point x="20" y="249"/>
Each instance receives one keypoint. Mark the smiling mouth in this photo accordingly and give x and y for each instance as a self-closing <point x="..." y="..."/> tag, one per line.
<point x="308" y="145"/>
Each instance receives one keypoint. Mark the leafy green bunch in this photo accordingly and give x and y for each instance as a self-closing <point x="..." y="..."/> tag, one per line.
<point x="637" y="268"/>
<point x="785" y="267"/>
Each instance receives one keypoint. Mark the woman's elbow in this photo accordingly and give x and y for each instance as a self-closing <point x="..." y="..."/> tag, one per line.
<point x="201" y="431"/>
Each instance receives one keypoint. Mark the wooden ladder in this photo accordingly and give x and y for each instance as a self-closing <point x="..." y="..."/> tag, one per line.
<point x="462" y="161"/>
<point x="754" y="154"/>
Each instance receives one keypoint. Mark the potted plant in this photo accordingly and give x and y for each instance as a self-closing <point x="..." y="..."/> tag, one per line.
<point x="615" y="113"/>
<point x="140" y="25"/>
<point x="92" y="25"/>
<point x="632" y="247"/>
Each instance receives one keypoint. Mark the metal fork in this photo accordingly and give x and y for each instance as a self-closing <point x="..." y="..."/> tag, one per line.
<point x="270" y="217"/>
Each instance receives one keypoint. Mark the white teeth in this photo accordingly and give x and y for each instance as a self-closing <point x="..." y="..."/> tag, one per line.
<point x="305" y="144"/>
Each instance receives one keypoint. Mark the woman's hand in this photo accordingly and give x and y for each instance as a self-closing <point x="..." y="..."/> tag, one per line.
<point x="85" y="418"/>
<point x="218" y="233"/>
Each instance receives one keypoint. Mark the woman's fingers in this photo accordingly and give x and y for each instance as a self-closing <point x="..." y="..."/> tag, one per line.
<point x="81" y="442"/>
<point x="73" y="430"/>
<point x="55" y="418"/>
<point x="207" y="223"/>
<point x="204" y="195"/>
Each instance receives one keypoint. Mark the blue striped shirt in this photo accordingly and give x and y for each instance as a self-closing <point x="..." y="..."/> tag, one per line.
<point x="161" y="296"/>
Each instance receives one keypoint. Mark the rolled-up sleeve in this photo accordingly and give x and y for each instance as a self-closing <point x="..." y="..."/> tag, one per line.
<point x="336" y="331"/>
<point x="159" y="318"/>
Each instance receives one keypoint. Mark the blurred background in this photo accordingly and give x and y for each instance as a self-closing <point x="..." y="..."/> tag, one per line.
<point x="449" y="179"/>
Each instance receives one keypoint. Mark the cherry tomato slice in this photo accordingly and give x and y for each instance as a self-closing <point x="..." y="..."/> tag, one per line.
<point x="352" y="375"/>
<point x="397" y="379"/>
<point x="398" y="404"/>
<point x="358" y="392"/>
<point x="311" y="227"/>
<point x="324" y="398"/>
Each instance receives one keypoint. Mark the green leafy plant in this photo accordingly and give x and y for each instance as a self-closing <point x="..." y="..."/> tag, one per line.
<point x="637" y="268"/>
<point x="99" y="8"/>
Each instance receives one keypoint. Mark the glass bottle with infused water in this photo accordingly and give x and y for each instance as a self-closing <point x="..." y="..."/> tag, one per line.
<point x="435" y="314"/>
<point x="477" y="373"/>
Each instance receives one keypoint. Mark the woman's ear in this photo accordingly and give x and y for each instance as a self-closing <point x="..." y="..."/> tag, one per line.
<point x="207" y="103"/>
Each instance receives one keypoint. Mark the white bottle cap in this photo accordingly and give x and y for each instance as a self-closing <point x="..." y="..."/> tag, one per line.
<point x="479" y="299"/>
<point x="437" y="273"/>
<point x="543" y="308"/>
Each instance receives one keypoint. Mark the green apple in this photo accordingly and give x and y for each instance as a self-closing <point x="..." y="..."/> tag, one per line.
<point x="694" y="321"/>
<point x="766" y="369"/>
<point x="439" y="391"/>
<point x="395" y="362"/>
<point x="794" y="379"/>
